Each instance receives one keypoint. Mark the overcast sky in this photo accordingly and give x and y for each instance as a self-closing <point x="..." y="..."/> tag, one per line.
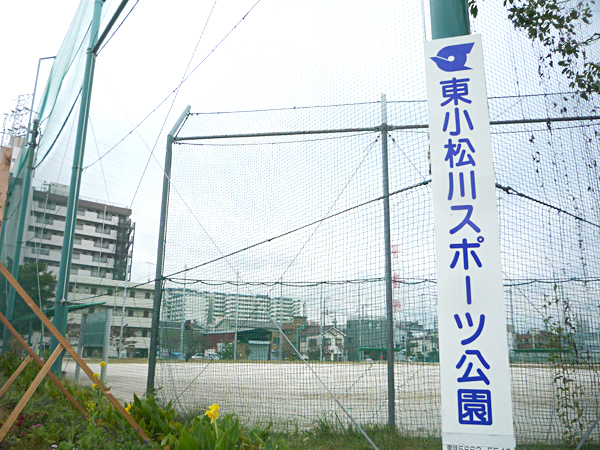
<point x="282" y="54"/>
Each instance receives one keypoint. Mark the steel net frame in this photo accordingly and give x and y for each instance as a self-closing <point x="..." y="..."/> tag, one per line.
<point x="285" y="204"/>
<point x="542" y="285"/>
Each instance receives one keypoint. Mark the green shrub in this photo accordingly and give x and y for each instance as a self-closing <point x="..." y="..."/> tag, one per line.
<point x="202" y="432"/>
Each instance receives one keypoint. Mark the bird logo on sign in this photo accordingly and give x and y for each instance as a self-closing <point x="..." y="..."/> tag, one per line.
<point x="453" y="58"/>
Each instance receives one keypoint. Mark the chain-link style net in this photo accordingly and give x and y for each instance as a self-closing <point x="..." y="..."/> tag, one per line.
<point x="274" y="268"/>
<point x="274" y="265"/>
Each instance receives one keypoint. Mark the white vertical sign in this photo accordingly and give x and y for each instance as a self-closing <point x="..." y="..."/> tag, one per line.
<point x="474" y="370"/>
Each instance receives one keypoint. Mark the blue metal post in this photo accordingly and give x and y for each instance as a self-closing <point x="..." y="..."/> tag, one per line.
<point x="160" y="255"/>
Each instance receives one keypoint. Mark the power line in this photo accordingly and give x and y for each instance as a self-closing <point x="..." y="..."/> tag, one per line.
<point x="414" y="186"/>
<point x="171" y="107"/>
<point x="174" y="91"/>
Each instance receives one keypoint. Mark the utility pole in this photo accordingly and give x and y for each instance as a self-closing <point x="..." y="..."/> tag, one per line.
<point x="360" y="325"/>
<point x="183" y="311"/>
<point x="281" y="338"/>
<point x="322" y="325"/>
<point x="512" y="310"/>
<point x="237" y="305"/>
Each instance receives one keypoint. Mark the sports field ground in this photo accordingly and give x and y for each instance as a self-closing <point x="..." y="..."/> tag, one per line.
<point x="290" y="394"/>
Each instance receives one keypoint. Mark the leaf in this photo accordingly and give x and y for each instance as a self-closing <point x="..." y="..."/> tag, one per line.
<point x="222" y="443"/>
<point x="186" y="441"/>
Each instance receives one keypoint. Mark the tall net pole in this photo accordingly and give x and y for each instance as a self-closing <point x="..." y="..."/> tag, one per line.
<point x="160" y="259"/>
<point x="389" y="303"/>
<point x="449" y="18"/>
<point x="62" y="286"/>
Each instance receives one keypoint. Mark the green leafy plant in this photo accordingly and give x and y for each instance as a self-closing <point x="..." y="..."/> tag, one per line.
<point x="49" y="419"/>
<point x="567" y="359"/>
<point x="202" y="432"/>
<point x="205" y="433"/>
<point x="562" y="28"/>
<point x="9" y="362"/>
<point x="158" y="422"/>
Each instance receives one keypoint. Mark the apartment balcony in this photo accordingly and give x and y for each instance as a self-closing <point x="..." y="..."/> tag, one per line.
<point x="85" y="272"/>
<point x="85" y="244"/>
<point x="45" y="239"/>
<point x="98" y="217"/>
<point x="47" y="223"/>
<point x="40" y="206"/>
<point x="43" y="254"/>
<point x="104" y="246"/>
<point x="95" y="231"/>
<point x="96" y="261"/>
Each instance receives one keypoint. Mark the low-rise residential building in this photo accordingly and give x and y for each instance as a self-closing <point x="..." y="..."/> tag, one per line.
<point x="324" y="343"/>
<point x="536" y="340"/>
<point x="131" y="304"/>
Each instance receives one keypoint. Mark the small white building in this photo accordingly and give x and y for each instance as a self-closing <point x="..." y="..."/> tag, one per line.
<point x="329" y="338"/>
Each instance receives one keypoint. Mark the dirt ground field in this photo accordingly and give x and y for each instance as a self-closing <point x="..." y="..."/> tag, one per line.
<point x="290" y="394"/>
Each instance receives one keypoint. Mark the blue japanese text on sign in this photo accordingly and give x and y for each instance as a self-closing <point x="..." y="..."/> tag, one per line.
<point x="475" y="378"/>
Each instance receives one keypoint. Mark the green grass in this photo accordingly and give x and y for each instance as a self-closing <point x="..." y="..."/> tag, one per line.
<point x="321" y="438"/>
<point x="384" y="440"/>
<point x="328" y="435"/>
<point x="48" y="419"/>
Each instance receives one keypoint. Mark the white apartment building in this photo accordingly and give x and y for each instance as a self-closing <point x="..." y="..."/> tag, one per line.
<point x="208" y="308"/>
<point x="103" y="234"/>
<point x="257" y="307"/>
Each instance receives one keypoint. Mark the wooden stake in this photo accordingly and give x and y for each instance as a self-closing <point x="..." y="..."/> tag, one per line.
<point x="65" y="344"/>
<point x="13" y="416"/>
<point x="15" y="375"/>
<point x="40" y="363"/>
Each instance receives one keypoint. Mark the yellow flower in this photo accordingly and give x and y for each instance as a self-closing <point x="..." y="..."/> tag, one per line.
<point x="90" y="406"/>
<point x="128" y="408"/>
<point x="213" y="412"/>
<point x="102" y="363"/>
<point x="96" y="375"/>
<point x="94" y="386"/>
